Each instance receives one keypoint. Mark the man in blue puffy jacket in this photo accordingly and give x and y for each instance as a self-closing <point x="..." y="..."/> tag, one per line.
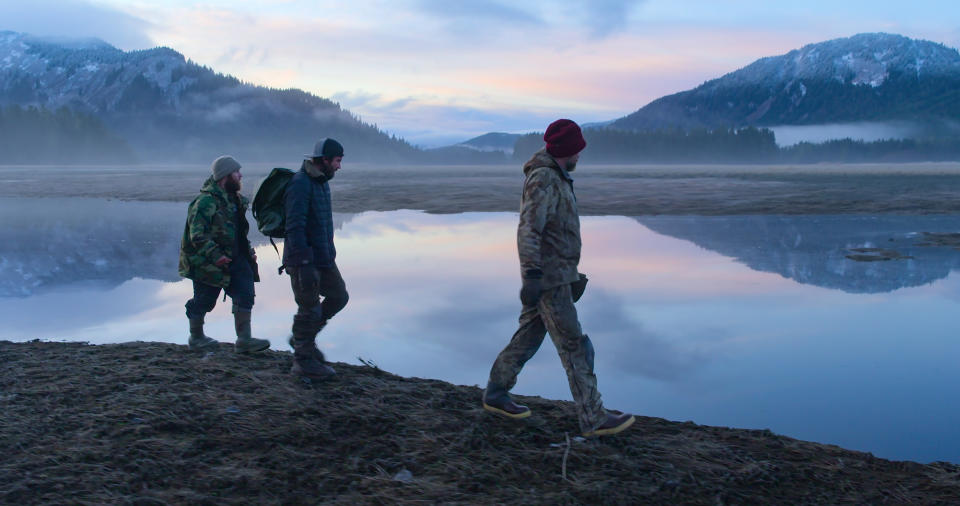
<point x="309" y="256"/>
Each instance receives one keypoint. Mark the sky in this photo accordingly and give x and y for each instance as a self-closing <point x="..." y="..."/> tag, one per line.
<point x="437" y="72"/>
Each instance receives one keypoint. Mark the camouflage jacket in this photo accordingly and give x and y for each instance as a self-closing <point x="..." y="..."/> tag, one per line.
<point x="210" y="233"/>
<point x="548" y="237"/>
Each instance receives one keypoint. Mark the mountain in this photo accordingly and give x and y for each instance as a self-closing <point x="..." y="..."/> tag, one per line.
<point x="168" y="108"/>
<point x="868" y="77"/>
<point x="493" y="141"/>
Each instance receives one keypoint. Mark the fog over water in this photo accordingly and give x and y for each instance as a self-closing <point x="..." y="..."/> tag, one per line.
<point x="746" y="321"/>
<point x="867" y="131"/>
<point x="788" y="135"/>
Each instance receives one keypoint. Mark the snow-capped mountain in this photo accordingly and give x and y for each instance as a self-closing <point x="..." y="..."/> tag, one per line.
<point x="169" y="108"/>
<point x="867" y="77"/>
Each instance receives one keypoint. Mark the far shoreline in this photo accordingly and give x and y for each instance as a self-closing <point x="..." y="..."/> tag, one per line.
<point x="620" y="190"/>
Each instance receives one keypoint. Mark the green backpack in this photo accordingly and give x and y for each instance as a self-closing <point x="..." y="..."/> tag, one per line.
<point x="268" y="205"/>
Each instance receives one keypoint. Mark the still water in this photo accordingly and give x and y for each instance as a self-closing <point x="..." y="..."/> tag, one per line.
<point x="747" y="321"/>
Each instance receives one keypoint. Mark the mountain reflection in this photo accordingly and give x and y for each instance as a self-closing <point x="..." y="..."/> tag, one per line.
<point x="51" y="243"/>
<point x="813" y="250"/>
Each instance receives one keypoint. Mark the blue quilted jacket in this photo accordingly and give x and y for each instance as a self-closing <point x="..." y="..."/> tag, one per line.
<point x="309" y="221"/>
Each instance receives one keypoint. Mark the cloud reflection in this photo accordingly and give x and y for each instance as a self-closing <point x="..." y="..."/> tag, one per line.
<point x="630" y="346"/>
<point x="680" y="331"/>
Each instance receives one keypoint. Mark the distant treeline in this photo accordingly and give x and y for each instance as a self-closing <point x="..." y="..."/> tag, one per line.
<point x="740" y="145"/>
<point x="943" y="149"/>
<point x="34" y="135"/>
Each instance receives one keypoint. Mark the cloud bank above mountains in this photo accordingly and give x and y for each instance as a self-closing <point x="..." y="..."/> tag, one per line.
<point x="433" y="71"/>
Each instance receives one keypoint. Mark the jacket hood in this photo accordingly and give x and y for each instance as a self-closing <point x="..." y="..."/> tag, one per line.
<point x="210" y="186"/>
<point x="540" y="159"/>
<point x="313" y="171"/>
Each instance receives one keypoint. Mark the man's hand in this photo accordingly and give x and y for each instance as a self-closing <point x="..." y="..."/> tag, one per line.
<point x="530" y="291"/>
<point x="224" y="260"/>
<point x="309" y="276"/>
<point x="578" y="286"/>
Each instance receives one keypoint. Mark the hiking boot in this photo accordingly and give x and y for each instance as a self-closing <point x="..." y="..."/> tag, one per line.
<point x="506" y="407"/>
<point x="308" y="360"/>
<point x="246" y="343"/>
<point x="316" y="351"/>
<point x="613" y="424"/>
<point x="311" y="368"/>
<point x="198" y="340"/>
<point x="308" y="329"/>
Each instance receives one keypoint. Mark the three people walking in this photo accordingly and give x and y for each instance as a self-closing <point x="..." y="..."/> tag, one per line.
<point x="216" y="254"/>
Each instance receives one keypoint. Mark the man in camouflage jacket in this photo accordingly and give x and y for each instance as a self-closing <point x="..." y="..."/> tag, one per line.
<point x="216" y="254"/>
<point x="548" y="241"/>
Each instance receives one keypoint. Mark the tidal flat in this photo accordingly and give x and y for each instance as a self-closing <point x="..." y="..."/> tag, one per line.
<point x="626" y="190"/>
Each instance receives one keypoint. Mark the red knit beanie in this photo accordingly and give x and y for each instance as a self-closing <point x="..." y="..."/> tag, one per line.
<point x="564" y="138"/>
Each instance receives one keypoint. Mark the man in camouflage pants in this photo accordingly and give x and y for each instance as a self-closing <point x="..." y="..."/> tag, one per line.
<point x="548" y="240"/>
<point x="216" y="254"/>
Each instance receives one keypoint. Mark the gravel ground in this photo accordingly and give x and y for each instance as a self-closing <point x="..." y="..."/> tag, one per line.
<point x="152" y="423"/>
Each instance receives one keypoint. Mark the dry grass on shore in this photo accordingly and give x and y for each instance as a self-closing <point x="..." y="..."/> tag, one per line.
<point x="152" y="423"/>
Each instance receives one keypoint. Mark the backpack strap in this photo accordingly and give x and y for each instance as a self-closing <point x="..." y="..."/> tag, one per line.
<point x="279" y="269"/>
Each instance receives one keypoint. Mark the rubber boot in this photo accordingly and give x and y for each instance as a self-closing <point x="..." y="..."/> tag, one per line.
<point x="613" y="424"/>
<point x="497" y="400"/>
<point x="246" y="343"/>
<point x="308" y="360"/>
<point x="198" y="340"/>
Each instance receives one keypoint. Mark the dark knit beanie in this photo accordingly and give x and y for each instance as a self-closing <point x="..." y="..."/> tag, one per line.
<point x="326" y="148"/>
<point x="564" y="138"/>
<point x="223" y="167"/>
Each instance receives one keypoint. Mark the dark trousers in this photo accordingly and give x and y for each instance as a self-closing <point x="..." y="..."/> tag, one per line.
<point x="307" y="290"/>
<point x="240" y="290"/>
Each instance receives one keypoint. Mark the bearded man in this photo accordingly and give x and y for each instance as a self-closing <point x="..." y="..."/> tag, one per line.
<point x="309" y="257"/>
<point x="216" y="254"/>
<point x="548" y="242"/>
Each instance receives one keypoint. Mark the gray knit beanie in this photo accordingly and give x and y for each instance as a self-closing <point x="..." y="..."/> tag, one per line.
<point x="223" y="167"/>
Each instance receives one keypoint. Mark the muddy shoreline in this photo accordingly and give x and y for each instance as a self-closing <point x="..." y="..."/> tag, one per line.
<point x="932" y="188"/>
<point x="152" y="423"/>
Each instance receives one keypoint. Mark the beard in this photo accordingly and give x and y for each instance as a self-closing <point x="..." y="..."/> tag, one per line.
<point x="327" y="169"/>
<point x="571" y="165"/>
<point x="232" y="185"/>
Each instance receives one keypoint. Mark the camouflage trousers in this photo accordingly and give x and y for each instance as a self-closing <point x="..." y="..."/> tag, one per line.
<point x="556" y="314"/>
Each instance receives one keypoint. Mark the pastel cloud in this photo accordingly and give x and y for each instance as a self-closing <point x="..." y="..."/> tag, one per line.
<point x="76" y="19"/>
<point x="432" y="69"/>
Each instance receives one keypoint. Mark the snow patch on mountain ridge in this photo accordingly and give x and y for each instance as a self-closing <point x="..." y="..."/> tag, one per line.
<point x="864" y="59"/>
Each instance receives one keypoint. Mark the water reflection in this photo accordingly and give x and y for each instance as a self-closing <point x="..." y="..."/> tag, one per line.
<point x="681" y="331"/>
<point x="48" y="244"/>
<point x="814" y="249"/>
